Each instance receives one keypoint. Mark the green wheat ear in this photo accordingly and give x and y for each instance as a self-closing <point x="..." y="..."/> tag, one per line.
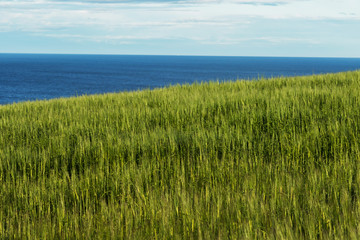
<point x="266" y="159"/>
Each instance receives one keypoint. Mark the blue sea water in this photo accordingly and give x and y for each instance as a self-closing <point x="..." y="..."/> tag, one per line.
<point x="26" y="77"/>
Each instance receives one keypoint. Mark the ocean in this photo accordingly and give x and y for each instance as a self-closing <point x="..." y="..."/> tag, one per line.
<point x="25" y="77"/>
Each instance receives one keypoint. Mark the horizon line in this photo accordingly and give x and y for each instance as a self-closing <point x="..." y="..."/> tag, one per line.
<point x="170" y="55"/>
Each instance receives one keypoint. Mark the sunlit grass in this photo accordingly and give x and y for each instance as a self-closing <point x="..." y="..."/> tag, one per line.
<point x="267" y="159"/>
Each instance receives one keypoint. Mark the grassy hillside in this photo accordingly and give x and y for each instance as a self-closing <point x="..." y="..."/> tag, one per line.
<point x="265" y="159"/>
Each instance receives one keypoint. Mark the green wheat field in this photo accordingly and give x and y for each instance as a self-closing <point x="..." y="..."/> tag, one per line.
<point x="263" y="159"/>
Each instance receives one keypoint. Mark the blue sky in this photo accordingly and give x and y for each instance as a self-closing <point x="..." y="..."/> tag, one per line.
<point x="304" y="28"/>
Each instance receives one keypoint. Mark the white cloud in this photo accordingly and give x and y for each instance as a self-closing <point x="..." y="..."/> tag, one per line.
<point x="271" y="40"/>
<point x="206" y="21"/>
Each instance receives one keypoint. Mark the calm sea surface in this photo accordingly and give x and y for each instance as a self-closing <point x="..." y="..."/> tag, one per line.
<point x="34" y="76"/>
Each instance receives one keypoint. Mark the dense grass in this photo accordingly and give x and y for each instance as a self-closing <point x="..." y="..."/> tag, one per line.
<point x="267" y="159"/>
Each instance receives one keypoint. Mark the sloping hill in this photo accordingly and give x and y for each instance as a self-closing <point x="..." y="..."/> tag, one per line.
<point x="274" y="158"/>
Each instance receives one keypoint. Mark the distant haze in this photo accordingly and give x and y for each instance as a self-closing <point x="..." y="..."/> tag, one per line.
<point x="308" y="28"/>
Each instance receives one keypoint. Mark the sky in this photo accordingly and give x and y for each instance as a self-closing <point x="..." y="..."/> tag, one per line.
<point x="295" y="28"/>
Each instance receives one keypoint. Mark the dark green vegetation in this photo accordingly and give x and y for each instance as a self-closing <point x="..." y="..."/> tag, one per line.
<point x="274" y="158"/>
